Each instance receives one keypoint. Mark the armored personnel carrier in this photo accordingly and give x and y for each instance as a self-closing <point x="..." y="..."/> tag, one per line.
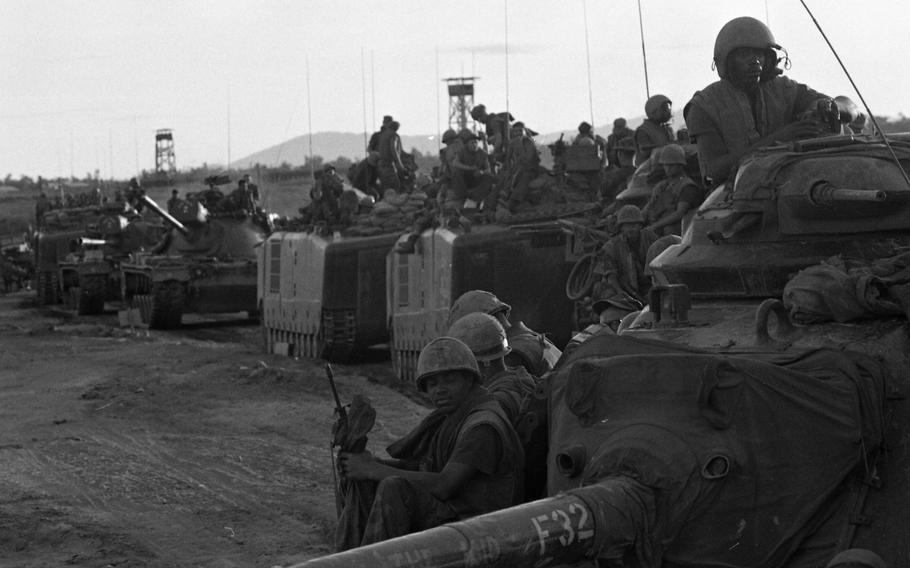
<point x="323" y="296"/>
<point x="521" y="259"/>
<point x="205" y="264"/>
<point x="89" y="275"/>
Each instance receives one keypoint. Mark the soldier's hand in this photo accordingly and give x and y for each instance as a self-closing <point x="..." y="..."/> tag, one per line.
<point x="356" y="466"/>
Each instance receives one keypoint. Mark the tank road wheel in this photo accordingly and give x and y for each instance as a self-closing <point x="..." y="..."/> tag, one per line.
<point x="90" y="299"/>
<point x="167" y="305"/>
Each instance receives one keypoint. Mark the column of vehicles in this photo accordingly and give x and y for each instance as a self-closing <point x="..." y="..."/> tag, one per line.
<point x="198" y="257"/>
<point x="756" y="422"/>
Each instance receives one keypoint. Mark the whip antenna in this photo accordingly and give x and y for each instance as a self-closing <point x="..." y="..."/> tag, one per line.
<point x="363" y="92"/>
<point x="644" y="56"/>
<point x="584" y="5"/>
<point x="309" y="115"/>
<point x="855" y="88"/>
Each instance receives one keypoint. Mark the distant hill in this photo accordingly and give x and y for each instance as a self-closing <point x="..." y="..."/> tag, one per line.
<point x="331" y="145"/>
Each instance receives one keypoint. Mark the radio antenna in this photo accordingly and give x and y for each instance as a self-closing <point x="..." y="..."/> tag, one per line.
<point x="861" y="98"/>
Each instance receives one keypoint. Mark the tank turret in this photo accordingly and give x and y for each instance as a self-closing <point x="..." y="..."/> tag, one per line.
<point x="791" y="207"/>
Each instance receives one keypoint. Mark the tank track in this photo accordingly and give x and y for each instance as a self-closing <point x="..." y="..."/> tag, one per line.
<point x="90" y="298"/>
<point x="167" y="305"/>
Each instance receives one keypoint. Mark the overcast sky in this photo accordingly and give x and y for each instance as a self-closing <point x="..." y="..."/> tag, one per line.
<point x="87" y="83"/>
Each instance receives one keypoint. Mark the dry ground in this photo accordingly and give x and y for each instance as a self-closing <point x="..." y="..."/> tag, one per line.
<point x="169" y="449"/>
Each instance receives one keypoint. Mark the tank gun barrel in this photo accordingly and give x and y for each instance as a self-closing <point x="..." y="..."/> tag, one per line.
<point x="90" y="242"/>
<point x="824" y="193"/>
<point x="168" y="218"/>
<point x="556" y="530"/>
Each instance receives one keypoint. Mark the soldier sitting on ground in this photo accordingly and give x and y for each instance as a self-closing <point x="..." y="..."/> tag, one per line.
<point x="513" y="387"/>
<point x="462" y="460"/>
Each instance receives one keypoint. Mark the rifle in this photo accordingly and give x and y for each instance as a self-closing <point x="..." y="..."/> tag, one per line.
<point x="338" y="432"/>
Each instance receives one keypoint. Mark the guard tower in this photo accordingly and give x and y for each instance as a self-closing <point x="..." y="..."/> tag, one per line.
<point x="165" y="160"/>
<point x="461" y="99"/>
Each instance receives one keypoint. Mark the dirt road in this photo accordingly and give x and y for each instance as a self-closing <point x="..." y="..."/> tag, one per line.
<point x="169" y="449"/>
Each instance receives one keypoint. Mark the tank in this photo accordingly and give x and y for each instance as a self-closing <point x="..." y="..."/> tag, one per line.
<point x="524" y="264"/>
<point x="716" y="431"/>
<point x="89" y="275"/>
<point x="323" y="296"/>
<point x="52" y="244"/>
<point x="206" y="263"/>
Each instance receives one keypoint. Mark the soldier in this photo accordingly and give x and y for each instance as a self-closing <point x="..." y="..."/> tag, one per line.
<point x="487" y="302"/>
<point x="513" y="387"/>
<point x="616" y="177"/>
<point x="496" y="127"/>
<point x="585" y="135"/>
<point x="470" y="175"/>
<point x="655" y="130"/>
<point x="623" y="258"/>
<point x="524" y="162"/>
<point x="173" y="202"/>
<point x="373" y="145"/>
<point x="751" y="105"/>
<point x="390" y="166"/>
<point x="620" y="132"/>
<point x="674" y="198"/>
<point x="463" y="460"/>
<point x="487" y="339"/>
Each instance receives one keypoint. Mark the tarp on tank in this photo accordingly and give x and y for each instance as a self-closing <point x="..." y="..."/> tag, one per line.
<point x="748" y="458"/>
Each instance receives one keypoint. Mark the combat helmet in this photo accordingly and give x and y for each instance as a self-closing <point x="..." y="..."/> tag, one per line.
<point x="745" y="32"/>
<point x="449" y="136"/>
<point x="477" y="301"/>
<point x="628" y="214"/>
<point x="483" y="334"/>
<point x="527" y="350"/>
<point x="653" y="104"/>
<point x="441" y="355"/>
<point x="672" y="154"/>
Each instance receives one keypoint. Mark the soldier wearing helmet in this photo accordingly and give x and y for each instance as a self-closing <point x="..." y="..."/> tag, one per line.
<point x="513" y="387"/>
<point x="487" y="302"/>
<point x="674" y="198"/>
<point x="621" y="265"/>
<point x="751" y="105"/>
<point x="620" y="132"/>
<point x="487" y="339"/>
<point x="616" y="178"/>
<point x="496" y="127"/>
<point x="462" y="460"/>
<point x="655" y="130"/>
